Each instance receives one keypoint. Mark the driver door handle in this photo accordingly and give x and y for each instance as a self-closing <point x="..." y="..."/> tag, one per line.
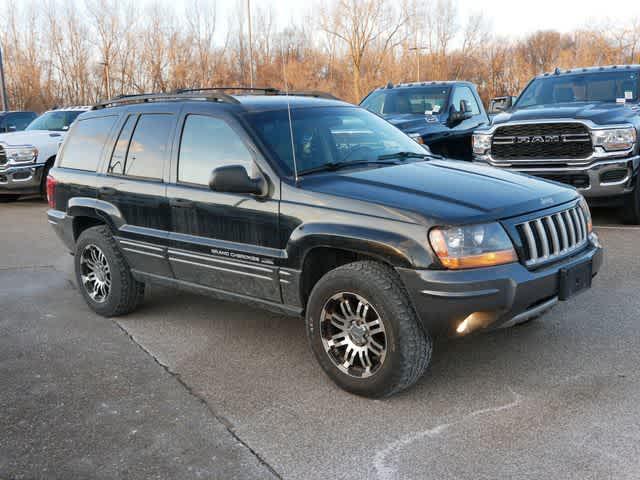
<point x="181" y="202"/>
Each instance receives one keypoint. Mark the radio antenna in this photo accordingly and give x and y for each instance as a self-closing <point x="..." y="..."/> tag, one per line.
<point x="286" y="92"/>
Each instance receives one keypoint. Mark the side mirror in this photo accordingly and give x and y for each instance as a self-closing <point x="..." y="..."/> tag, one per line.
<point x="465" y="107"/>
<point x="12" y="128"/>
<point x="456" y="117"/>
<point x="234" y="179"/>
<point x="500" y="104"/>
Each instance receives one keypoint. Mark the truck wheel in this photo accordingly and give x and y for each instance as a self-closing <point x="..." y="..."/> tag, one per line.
<point x="364" y="332"/>
<point x="103" y="276"/>
<point x="632" y="206"/>
<point x="8" y="198"/>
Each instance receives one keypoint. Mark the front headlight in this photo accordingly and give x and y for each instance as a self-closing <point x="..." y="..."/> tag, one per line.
<point x="481" y="143"/>
<point x="21" y="154"/>
<point x="472" y="246"/>
<point x="613" y="139"/>
<point x="587" y="214"/>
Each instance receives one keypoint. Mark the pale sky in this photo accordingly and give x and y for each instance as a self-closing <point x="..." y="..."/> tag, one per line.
<point x="509" y="17"/>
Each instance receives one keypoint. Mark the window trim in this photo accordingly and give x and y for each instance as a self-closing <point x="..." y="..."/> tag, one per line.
<point x="123" y="175"/>
<point x="237" y="131"/>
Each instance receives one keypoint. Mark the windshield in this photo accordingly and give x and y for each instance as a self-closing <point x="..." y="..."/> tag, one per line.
<point x="589" y="87"/>
<point x="423" y="100"/>
<point x="58" y="121"/>
<point x="329" y="135"/>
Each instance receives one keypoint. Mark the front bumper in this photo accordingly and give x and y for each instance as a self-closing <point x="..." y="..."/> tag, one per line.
<point x="21" y="179"/>
<point x="497" y="296"/>
<point x="604" y="178"/>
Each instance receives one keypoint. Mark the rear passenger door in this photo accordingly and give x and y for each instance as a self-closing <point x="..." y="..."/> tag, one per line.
<point x="134" y="183"/>
<point x="224" y="241"/>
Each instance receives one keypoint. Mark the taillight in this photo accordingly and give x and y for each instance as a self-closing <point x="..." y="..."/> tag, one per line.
<point x="51" y="191"/>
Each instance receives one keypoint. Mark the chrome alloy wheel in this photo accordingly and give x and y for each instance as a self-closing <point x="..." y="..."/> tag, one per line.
<point x="353" y="335"/>
<point x="95" y="273"/>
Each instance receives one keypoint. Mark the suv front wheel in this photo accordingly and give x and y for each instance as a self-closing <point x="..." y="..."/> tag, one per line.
<point x="364" y="332"/>
<point x="103" y="275"/>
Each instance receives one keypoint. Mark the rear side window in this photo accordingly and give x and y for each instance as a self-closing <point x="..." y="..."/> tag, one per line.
<point x="149" y="146"/>
<point x="83" y="148"/>
<point x="207" y="143"/>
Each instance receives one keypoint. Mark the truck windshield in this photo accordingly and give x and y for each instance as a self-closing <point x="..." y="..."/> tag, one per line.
<point x="587" y="87"/>
<point x="330" y="136"/>
<point x="423" y="100"/>
<point x="58" y="121"/>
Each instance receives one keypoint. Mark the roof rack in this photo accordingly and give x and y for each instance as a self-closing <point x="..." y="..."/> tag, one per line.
<point x="163" y="97"/>
<point x="264" y="91"/>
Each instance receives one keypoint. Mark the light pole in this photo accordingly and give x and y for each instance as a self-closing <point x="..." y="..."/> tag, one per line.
<point x="250" y="45"/>
<point x="3" y="86"/>
<point x="417" y="50"/>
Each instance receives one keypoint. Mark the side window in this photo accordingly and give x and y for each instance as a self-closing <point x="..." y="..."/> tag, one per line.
<point x="207" y="143"/>
<point x="84" y="145"/>
<point x="465" y="93"/>
<point x="149" y="146"/>
<point x="116" y="165"/>
<point x="374" y="102"/>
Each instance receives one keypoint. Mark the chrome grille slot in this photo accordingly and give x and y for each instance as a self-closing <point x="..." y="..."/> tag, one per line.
<point x="553" y="236"/>
<point x="3" y="156"/>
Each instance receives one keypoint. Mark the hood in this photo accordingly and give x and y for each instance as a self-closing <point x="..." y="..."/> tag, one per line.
<point x="415" y="122"/>
<point x="31" y="137"/>
<point x="599" y="113"/>
<point x="445" y="191"/>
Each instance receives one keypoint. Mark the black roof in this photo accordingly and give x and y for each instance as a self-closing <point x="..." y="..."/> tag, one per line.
<point x="573" y="71"/>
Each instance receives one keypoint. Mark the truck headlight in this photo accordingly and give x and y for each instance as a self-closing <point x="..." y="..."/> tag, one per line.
<point x="612" y="139"/>
<point x="481" y="143"/>
<point x="21" y="154"/>
<point x="472" y="246"/>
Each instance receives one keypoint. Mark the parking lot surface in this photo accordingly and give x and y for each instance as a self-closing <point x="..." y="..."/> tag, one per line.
<point x="218" y="390"/>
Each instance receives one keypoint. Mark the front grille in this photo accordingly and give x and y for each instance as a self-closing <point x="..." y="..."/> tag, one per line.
<point x="553" y="236"/>
<point x="3" y="156"/>
<point x="541" y="141"/>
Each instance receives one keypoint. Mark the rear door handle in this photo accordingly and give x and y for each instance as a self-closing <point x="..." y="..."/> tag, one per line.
<point x="107" y="191"/>
<point x="181" y="202"/>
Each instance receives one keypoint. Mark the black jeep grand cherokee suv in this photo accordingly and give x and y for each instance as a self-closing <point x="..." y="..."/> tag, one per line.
<point x="310" y="206"/>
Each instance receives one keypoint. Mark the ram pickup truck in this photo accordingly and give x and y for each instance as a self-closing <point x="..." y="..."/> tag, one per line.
<point x="579" y="127"/>
<point x="315" y="208"/>
<point x="27" y="156"/>
<point x="441" y="115"/>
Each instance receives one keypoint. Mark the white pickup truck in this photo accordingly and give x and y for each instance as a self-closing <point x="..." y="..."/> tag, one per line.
<point x="27" y="156"/>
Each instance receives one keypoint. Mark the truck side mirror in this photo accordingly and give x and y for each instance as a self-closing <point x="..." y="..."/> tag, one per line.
<point x="234" y="179"/>
<point x="465" y="107"/>
<point x="500" y="104"/>
<point x="456" y="117"/>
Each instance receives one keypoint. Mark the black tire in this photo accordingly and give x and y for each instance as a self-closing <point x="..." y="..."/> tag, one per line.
<point x="8" y="198"/>
<point x="631" y="212"/>
<point x="408" y="346"/>
<point x="125" y="293"/>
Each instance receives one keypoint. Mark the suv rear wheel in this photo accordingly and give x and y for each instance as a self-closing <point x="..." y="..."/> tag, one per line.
<point x="364" y="332"/>
<point x="103" y="276"/>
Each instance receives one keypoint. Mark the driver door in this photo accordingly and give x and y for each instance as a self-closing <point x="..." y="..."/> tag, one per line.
<point x="221" y="241"/>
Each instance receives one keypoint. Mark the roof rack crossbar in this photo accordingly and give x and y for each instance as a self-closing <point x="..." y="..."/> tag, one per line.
<point x="241" y="89"/>
<point x="155" y="97"/>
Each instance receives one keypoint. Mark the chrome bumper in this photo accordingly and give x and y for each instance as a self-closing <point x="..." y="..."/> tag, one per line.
<point x="597" y="186"/>
<point x="21" y="179"/>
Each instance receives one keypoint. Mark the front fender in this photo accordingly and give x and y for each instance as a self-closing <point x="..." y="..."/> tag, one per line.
<point x="398" y="248"/>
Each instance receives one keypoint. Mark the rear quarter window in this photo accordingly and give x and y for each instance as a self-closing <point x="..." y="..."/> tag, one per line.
<point x="83" y="148"/>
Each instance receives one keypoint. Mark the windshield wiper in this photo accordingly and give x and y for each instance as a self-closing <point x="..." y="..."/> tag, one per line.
<point x="333" y="166"/>
<point x="403" y="155"/>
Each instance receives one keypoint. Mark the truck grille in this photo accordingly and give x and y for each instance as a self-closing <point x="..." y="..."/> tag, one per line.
<point x="553" y="236"/>
<point x="3" y="156"/>
<point x="541" y="141"/>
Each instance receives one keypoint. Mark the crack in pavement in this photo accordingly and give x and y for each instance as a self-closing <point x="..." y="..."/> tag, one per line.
<point x="386" y="472"/>
<point x="226" y="423"/>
